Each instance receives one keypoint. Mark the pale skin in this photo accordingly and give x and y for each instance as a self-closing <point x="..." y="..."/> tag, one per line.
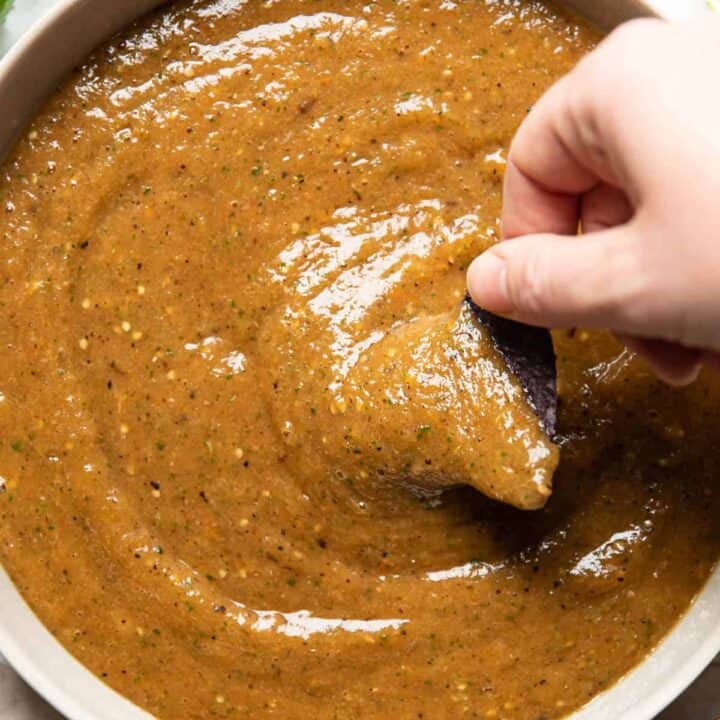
<point x="626" y="147"/>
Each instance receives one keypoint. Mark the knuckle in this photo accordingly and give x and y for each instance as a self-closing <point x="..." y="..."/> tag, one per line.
<point x="527" y="282"/>
<point x="616" y="62"/>
<point x="626" y="292"/>
<point x="621" y="284"/>
<point x="633" y="35"/>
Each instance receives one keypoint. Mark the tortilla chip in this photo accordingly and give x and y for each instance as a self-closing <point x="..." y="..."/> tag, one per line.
<point x="528" y="352"/>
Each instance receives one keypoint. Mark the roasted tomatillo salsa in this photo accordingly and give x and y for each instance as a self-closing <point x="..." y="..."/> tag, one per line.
<point x="236" y="377"/>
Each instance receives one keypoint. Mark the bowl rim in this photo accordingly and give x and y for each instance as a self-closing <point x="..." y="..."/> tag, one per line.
<point x="46" y="665"/>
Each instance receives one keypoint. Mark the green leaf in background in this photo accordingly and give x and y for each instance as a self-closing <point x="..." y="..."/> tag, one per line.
<point x="5" y="6"/>
<point x="713" y="5"/>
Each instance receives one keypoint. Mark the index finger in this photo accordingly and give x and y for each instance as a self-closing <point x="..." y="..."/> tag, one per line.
<point x="556" y="156"/>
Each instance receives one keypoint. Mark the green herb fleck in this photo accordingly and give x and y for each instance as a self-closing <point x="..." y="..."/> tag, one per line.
<point x="5" y="6"/>
<point x="423" y="430"/>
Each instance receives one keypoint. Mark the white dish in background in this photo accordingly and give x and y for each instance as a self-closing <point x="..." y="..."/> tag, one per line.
<point x="28" y="74"/>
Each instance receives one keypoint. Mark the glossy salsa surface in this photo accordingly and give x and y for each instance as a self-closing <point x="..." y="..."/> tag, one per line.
<point x="209" y="229"/>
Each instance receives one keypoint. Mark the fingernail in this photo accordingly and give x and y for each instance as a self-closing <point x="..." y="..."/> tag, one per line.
<point x="487" y="283"/>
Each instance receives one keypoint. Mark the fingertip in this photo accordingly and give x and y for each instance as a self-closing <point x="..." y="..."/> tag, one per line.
<point x="487" y="283"/>
<point x="681" y="377"/>
<point x="674" y="364"/>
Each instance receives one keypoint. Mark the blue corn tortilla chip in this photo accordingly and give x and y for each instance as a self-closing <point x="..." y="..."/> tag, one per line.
<point x="528" y="353"/>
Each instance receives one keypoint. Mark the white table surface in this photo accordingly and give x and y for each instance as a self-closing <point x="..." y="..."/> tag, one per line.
<point x="19" y="702"/>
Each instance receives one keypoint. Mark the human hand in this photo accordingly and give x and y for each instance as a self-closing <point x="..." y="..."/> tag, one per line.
<point x="627" y="146"/>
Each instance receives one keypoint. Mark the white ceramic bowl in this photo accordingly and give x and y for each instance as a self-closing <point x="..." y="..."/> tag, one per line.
<point x="28" y="74"/>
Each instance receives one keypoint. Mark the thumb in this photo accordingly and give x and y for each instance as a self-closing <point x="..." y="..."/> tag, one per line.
<point x="595" y="280"/>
